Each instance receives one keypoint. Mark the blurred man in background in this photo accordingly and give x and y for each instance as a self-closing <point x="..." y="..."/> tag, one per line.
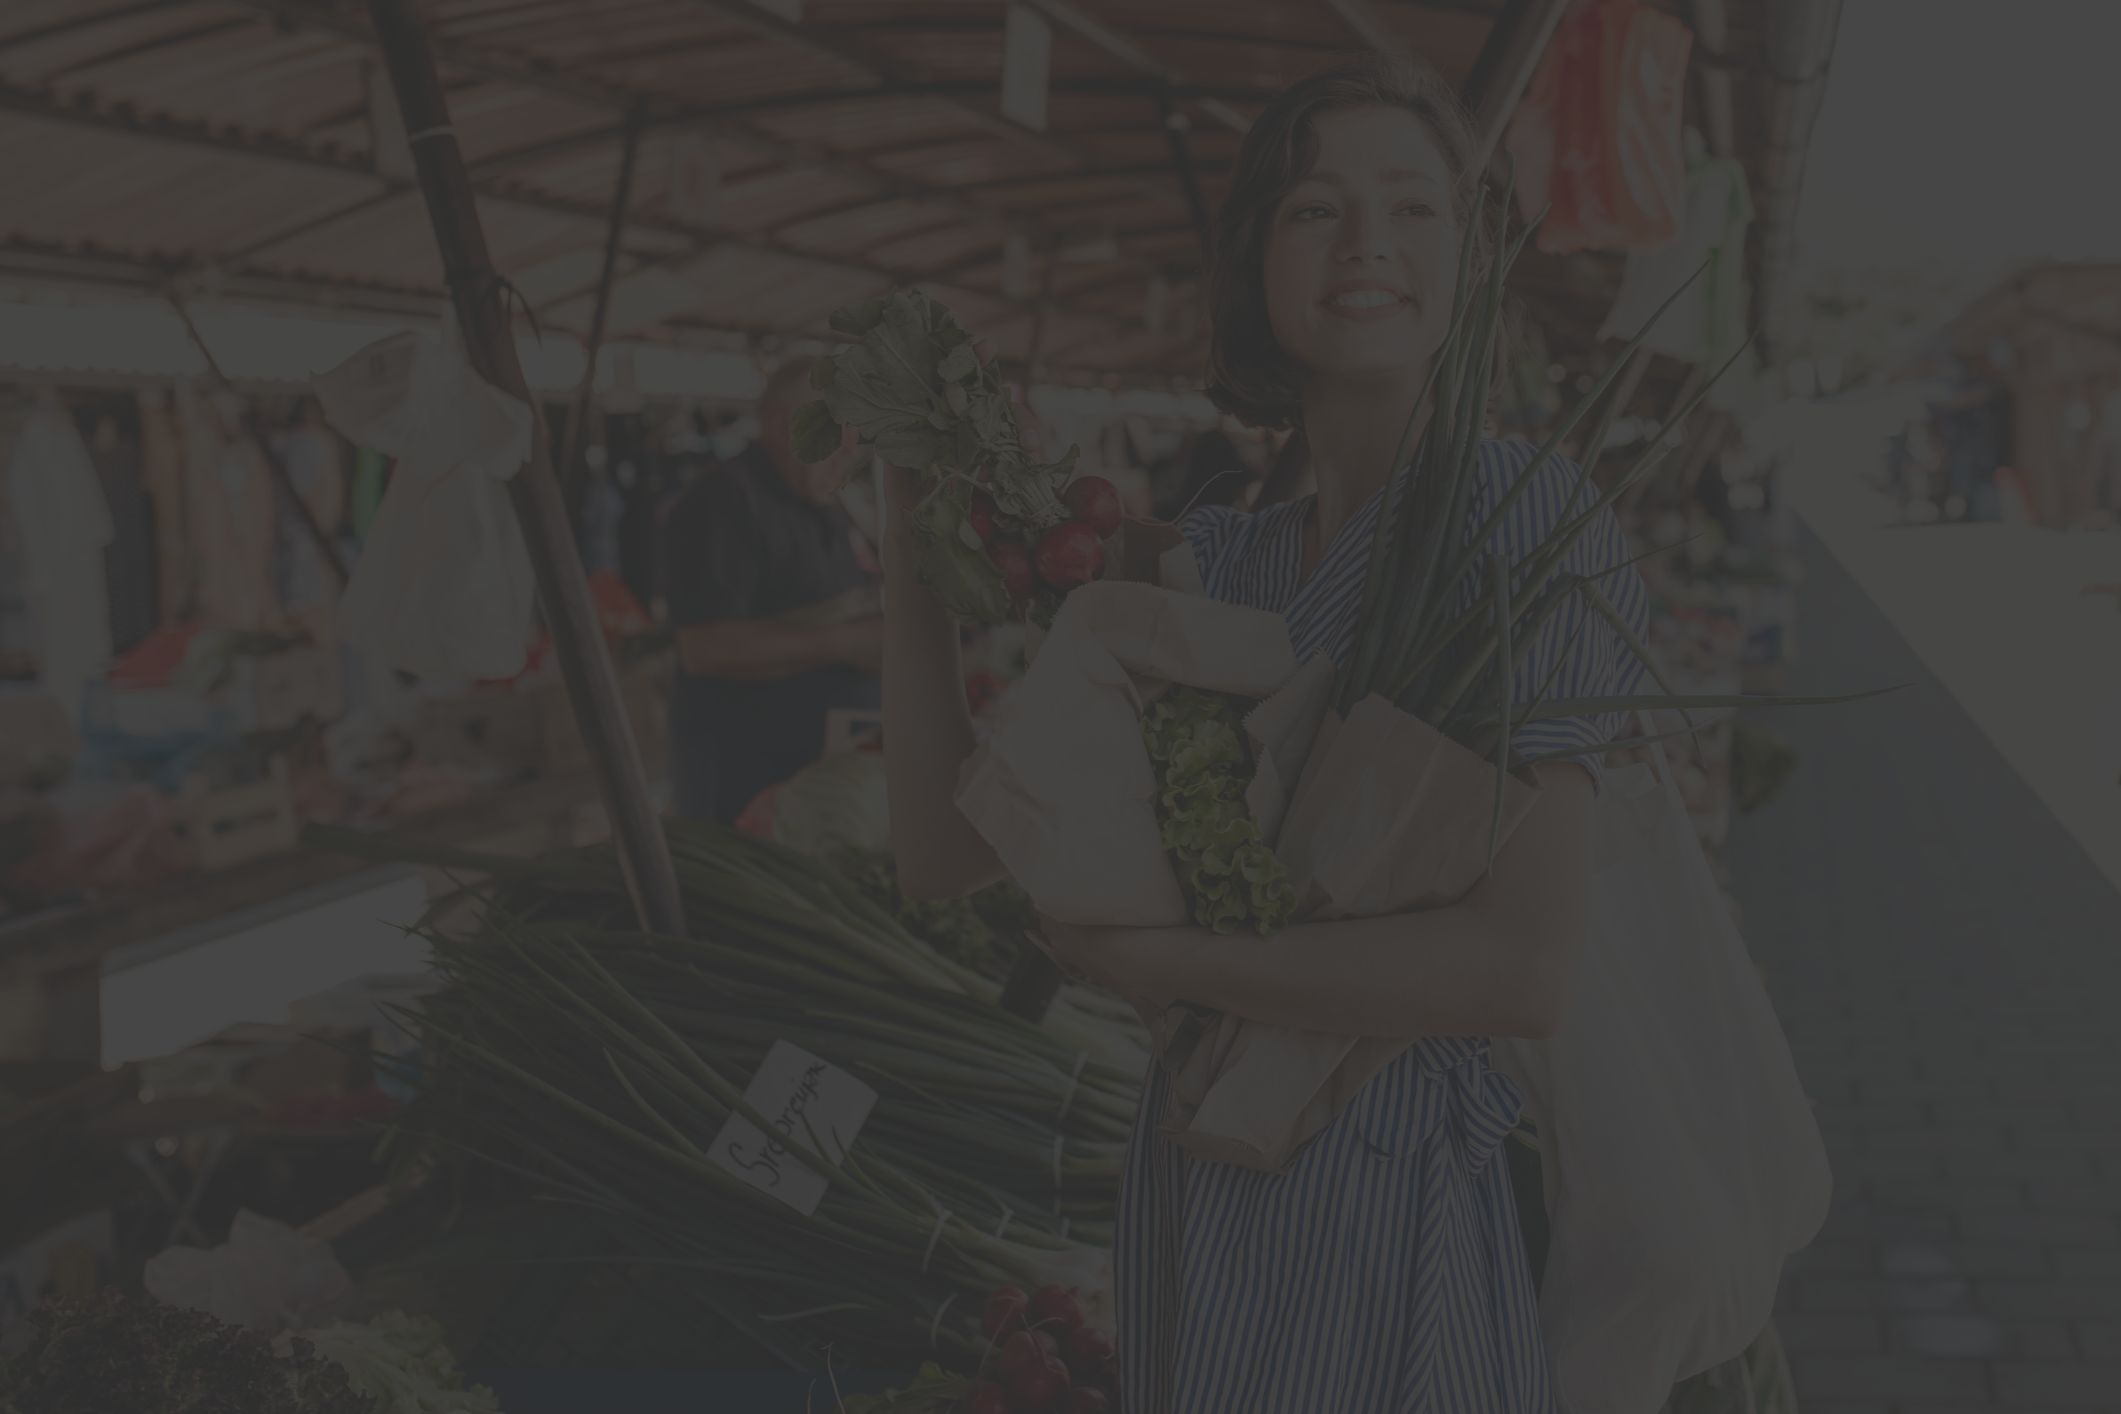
<point x="775" y="612"/>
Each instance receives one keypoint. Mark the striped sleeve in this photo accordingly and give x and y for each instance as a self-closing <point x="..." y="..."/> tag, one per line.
<point x="1579" y="653"/>
<point x="1210" y="531"/>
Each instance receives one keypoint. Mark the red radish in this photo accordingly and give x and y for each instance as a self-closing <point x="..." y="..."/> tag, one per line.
<point x="1094" y="499"/>
<point x="1026" y="1350"/>
<point x="980" y="516"/>
<point x="1005" y="1307"/>
<point x="1086" y="1401"/>
<point x="1039" y="1387"/>
<point x="1088" y="1349"/>
<point x="1069" y="554"/>
<point x="1055" y="1306"/>
<point x="989" y="1398"/>
<point x="1010" y="557"/>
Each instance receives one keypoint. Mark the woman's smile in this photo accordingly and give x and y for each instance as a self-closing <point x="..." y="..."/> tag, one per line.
<point x="1366" y="302"/>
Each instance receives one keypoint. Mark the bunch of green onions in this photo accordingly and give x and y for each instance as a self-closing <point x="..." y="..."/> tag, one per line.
<point x="1455" y="668"/>
<point x="597" y="1064"/>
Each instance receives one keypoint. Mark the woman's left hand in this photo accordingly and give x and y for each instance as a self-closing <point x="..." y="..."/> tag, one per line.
<point x="1132" y="963"/>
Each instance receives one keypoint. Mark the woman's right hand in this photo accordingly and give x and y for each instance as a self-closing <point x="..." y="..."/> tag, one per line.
<point x="902" y="497"/>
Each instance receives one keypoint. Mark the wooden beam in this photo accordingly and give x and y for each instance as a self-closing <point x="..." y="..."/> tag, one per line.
<point x="481" y="303"/>
<point x="1365" y="24"/>
<point x="1087" y="26"/>
<point x="652" y="107"/>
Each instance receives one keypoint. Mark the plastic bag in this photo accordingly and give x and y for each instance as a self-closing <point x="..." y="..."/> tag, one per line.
<point x="444" y="586"/>
<point x="1679" y="1156"/>
<point x="1597" y="136"/>
<point x="267" y="1277"/>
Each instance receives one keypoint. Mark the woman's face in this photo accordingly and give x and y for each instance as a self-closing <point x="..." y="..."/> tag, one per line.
<point x="1362" y="254"/>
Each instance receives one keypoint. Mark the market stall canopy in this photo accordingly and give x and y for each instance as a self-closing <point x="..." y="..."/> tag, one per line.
<point x="1035" y="165"/>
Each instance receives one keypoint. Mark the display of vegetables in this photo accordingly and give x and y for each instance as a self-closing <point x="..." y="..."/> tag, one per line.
<point x="596" y="1065"/>
<point x="1040" y="1357"/>
<point x="1203" y="765"/>
<point x="402" y="1364"/>
<point x="980" y="931"/>
<point x="1002" y="536"/>
<point x="125" y="1351"/>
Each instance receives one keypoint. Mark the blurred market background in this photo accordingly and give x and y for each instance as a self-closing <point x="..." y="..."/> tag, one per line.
<point x="1912" y="475"/>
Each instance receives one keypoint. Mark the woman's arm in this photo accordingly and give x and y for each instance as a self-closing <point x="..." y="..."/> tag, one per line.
<point x="1494" y="964"/>
<point x="768" y="650"/>
<point x="927" y="724"/>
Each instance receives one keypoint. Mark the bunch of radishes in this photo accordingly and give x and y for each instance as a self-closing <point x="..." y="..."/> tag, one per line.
<point x="1042" y="1358"/>
<point x="1036" y="562"/>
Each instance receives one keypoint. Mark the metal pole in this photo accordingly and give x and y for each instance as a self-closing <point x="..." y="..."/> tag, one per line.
<point x="570" y="466"/>
<point x="480" y="297"/>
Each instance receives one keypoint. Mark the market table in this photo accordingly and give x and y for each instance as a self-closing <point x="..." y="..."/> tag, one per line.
<point x="60" y="950"/>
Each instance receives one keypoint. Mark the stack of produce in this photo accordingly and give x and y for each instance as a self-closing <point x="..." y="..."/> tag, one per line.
<point x="1040" y="1357"/>
<point x="125" y="1351"/>
<point x="835" y="810"/>
<point x="599" y="1065"/>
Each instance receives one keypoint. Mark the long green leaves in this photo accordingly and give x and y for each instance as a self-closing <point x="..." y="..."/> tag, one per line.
<point x="1419" y="641"/>
<point x="596" y="1065"/>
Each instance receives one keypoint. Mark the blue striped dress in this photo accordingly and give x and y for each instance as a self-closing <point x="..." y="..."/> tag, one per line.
<point x="1383" y="1271"/>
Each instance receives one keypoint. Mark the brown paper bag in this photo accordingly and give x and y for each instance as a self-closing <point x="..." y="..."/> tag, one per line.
<point x="1063" y="788"/>
<point x="1389" y="816"/>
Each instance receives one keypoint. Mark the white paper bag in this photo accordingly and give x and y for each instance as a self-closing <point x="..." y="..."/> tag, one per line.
<point x="1063" y="789"/>
<point x="1679" y="1155"/>
<point x="1389" y="816"/>
<point x="444" y="586"/>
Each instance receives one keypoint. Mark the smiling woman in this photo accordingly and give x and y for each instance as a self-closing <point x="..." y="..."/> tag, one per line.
<point x="1382" y="1271"/>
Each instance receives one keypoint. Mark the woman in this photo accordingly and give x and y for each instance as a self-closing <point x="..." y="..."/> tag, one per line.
<point x="1384" y="1270"/>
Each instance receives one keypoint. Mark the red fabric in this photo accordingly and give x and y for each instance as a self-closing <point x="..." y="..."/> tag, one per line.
<point x="1597" y="136"/>
<point x="757" y="819"/>
<point x="154" y="660"/>
<point x="617" y="610"/>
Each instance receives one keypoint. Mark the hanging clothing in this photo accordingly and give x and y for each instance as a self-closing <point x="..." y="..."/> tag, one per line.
<point x="129" y="562"/>
<point x="1707" y="322"/>
<point x="1384" y="1271"/>
<point x="1595" y="142"/>
<point x="229" y="493"/>
<point x="162" y="476"/>
<point x="64" y="524"/>
<point x="315" y="472"/>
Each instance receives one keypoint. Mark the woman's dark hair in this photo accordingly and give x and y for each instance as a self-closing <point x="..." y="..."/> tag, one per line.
<point x="1248" y="374"/>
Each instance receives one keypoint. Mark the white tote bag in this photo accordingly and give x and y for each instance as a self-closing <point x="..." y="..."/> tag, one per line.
<point x="1679" y="1155"/>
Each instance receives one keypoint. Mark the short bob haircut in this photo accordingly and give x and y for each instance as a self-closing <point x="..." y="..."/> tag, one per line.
<point x="1248" y="374"/>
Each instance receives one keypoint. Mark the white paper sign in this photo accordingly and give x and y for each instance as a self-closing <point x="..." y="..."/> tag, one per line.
<point x="815" y="1104"/>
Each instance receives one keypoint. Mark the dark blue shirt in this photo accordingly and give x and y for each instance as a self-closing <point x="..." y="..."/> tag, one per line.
<point x="741" y="544"/>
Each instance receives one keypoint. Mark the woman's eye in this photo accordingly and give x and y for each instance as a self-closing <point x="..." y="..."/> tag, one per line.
<point x="1418" y="208"/>
<point x="1305" y="213"/>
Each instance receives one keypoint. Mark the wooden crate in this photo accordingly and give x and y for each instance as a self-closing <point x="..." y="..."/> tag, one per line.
<point x="487" y="727"/>
<point x="233" y="823"/>
<point x="295" y="684"/>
